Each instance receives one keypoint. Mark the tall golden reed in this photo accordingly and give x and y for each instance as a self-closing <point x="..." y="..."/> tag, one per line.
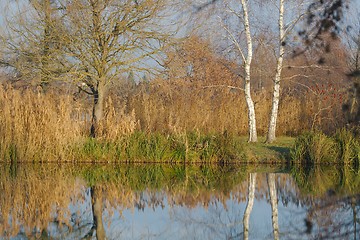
<point x="50" y="127"/>
<point x="36" y="126"/>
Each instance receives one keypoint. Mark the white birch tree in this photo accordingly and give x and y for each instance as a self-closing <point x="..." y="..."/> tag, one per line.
<point x="284" y="31"/>
<point x="247" y="66"/>
<point x="279" y="65"/>
<point x="246" y="57"/>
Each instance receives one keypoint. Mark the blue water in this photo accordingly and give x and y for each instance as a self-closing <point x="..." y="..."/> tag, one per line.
<point x="163" y="213"/>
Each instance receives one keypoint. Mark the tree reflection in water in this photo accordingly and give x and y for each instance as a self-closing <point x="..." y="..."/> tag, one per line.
<point x="334" y="218"/>
<point x="250" y="203"/>
<point x="270" y="177"/>
<point x="178" y="202"/>
<point x="97" y="211"/>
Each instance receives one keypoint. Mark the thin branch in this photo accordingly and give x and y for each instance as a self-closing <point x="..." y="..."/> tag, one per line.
<point x="223" y="85"/>
<point x="290" y="26"/>
<point x="309" y="88"/>
<point x="296" y="76"/>
<point x="85" y="91"/>
<point x="317" y="114"/>
<point x="312" y="66"/>
<point x="234" y="41"/>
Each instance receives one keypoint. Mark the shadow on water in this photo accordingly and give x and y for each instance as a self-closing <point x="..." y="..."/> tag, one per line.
<point x="178" y="202"/>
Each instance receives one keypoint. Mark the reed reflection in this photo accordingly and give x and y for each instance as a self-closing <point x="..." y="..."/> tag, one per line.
<point x="246" y="202"/>
<point x="33" y="198"/>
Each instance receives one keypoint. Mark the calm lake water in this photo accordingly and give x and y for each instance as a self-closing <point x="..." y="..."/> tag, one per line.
<point x="178" y="202"/>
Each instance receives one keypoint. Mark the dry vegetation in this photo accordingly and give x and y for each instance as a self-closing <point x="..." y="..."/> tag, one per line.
<point x="207" y="97"/>
<point x="36" y="126"/>
<point x="204" y="99"/>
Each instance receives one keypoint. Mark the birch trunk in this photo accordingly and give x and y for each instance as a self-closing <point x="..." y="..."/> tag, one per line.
<point x="274" y="205"/>
<point x="271" y="135"/>
<point x="247" y="66"/>
<point x="250" y="203"/>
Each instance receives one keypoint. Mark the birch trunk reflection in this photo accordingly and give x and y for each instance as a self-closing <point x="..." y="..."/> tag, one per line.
<point x="274" y="205"/>
<point x="250" y="203"/>
<point x="355" y="219"/>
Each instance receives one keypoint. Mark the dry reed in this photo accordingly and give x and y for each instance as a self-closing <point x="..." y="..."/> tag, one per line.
<point x="182" y="107"/>
<point x="53" y="127"/>
<point x="36" y="127"/>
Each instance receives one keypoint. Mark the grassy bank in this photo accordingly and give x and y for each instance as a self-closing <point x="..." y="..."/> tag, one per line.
<point x="156" y="147"/>
<point x="343" y="147"/>
<point x="140" y="147"/>
<point x="277" y="152"/>
<point x="190" y="148"/>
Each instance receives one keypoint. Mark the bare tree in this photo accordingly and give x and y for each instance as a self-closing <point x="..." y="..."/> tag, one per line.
<point x="31" y="46"/>
<point x="91" y="42"/>
<point x="47" y="9"/>
<point x="107" y="38"/>
<point x="327" y="18"/>
<point x="352" y="107"/>
<point x="247" y="66"/>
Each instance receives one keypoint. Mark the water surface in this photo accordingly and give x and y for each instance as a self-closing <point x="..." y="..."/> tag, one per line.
<point x="178" y="202"/>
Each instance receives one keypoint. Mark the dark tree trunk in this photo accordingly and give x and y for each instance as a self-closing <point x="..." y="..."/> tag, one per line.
<point x="98" y="110"/>
<point x="44" y="78"/>
<point x="96" y="204"/>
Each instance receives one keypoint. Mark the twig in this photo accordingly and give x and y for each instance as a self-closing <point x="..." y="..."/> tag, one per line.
<point x="226" y="86"/>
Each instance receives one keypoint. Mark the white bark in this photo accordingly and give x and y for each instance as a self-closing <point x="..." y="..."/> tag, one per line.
<point x="274" y="204"/>
<point x="279" y="66"/>
<point x="250" y="203"/>
<point x="247" y="66"/>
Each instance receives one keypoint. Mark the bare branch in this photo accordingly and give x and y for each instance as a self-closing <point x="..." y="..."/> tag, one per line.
<point x="225" y="86"/>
